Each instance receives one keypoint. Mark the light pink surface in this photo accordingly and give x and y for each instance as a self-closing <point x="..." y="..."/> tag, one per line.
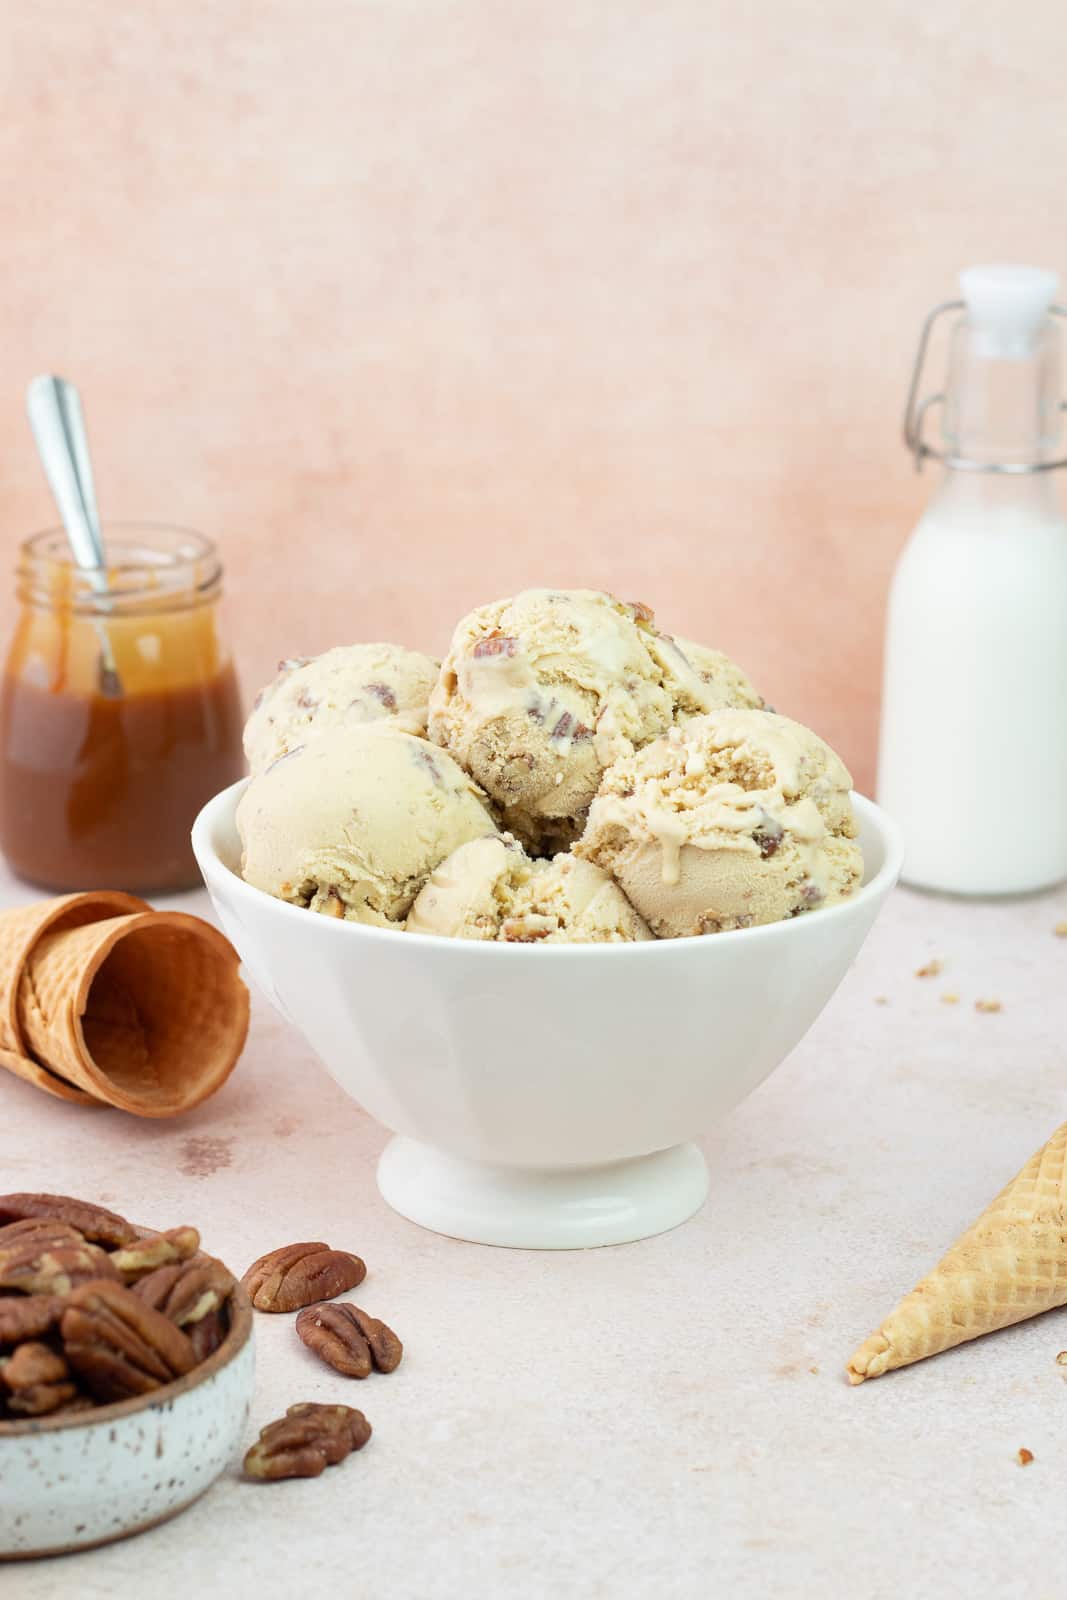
<point x="668" y="1419"/>
<point x="412" y="304"/>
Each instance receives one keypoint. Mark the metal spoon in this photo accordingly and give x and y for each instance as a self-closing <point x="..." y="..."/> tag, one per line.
<point x="58" y="424"/>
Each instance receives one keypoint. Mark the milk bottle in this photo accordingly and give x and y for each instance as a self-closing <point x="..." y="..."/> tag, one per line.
<point x="973" y="758"/>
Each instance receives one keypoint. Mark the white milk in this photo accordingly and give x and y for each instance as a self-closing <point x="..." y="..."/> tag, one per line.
<point x="973" y="758"/>
<point x="973" y="761"/>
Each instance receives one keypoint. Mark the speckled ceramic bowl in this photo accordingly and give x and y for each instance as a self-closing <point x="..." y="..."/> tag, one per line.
<point x="70" y="1482"/>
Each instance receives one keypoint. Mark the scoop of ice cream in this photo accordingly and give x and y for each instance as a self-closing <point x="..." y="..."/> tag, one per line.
<point x="731" y="820"/>
<point x="727" y="684"/>
<point x="490" y="889"/>
<point x="539" y="694"/>
<point x="352" y="684"/>
<point x="353" y="823"/>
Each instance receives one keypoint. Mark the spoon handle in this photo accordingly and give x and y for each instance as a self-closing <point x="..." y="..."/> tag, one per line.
<point x="74" y="419"/>
<point x="58" y="425"/>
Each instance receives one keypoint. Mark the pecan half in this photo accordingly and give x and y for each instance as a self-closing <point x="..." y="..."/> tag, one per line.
<point x="118" y="1345"/>
<point x="41" y="1399"/>
<point x="208" y="1333"/>
<point x="349" y="1340"/>
<point x="299" y="1274"/>
<point x="27" y="1316"/>
<point x="306" y="1440"/>
<point x="135" y="1260"/>
<point x="79" y="1402"/>
<point x="187" y="1291"/>
<point x="37" y="1380"/>
<point x="42" y="1229"/>
<point x="95" y="1223"/>
<point x="51" y="1259"/>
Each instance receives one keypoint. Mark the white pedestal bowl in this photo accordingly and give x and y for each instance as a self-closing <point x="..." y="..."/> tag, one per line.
<point x="543" y="1095"/>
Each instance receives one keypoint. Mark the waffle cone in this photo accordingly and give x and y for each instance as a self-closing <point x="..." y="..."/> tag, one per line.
<point x="145" y="1011"/>
<point x="20" y="929"/>
<point x="1010" y="1265"/>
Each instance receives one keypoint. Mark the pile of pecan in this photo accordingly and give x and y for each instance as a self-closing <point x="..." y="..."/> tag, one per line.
<point x="303" y="1278"/>
<point x="92" y="1310"/>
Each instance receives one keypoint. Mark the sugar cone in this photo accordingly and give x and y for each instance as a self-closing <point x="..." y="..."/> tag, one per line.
<point x="1011" y="1264"/>
<point x="20" y="929"/>
<point x="146" y="1011"/>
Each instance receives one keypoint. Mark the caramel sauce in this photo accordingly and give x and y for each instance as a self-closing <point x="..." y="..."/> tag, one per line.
<point x="100" y="792"/>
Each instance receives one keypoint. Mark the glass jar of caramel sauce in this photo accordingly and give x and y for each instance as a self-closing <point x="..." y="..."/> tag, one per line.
<point x="119" y="712"/>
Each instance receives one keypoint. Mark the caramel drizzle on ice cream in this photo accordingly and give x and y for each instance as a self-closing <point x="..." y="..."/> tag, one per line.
<point x="716" y="792"/>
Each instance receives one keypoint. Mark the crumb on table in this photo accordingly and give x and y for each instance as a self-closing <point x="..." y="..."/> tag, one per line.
<point x="881" y="999"/>
<point x="988" y="1005"/>
<point x="1024" y="1457"/>
<point x="931" y="968"/>
<point x="1060" y="930"/>
<point x="949" y="998"/>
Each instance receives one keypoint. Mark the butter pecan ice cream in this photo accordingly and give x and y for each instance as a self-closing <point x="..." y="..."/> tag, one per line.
<point x="351" y="684"/>
<point x="490" y="889"/>
<point x="353" y="823"/>
<point x="727" y="684"/>
<point x="540" y="693"/>
<point x="730" y="820"/>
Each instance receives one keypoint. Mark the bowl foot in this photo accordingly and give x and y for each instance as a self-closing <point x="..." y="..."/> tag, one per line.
<point x="553" y="1208"/>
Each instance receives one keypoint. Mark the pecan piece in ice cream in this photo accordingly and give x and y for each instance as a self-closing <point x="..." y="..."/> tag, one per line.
<point x="118" y="1345"/>
<point x="159" y="1250"/>
<point x="541" y="693"/>
<point x="27" y="1316"/>
<point x="349" y="1340"/>
<point x="731" y="820"/>
<point x="37" y="1380"/>
<point x="306" y="1440"/>
<point x="301" y="840"/>
<point x="187" y="1291"/>
<point x="346" y="686"/>
<point x="490" y="889"/>
<point x="299" y="1274"/>
<point x="51" y="1259"/>
<point x="94" y="1223"/>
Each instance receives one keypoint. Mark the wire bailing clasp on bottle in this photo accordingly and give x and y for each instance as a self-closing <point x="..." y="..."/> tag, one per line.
<point x="915" y="412"/>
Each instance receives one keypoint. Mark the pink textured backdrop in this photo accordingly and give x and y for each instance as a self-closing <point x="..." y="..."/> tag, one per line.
<point x="415" y="302"/>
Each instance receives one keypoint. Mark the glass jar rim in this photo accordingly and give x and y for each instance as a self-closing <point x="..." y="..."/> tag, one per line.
<point x="158" y="566"/>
